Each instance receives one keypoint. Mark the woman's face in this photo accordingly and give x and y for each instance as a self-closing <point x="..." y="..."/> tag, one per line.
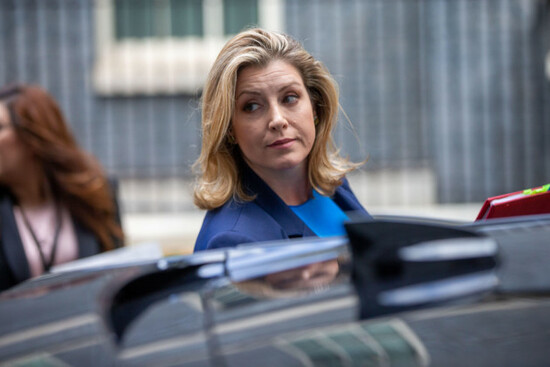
<point x="13" y="154"/>
<point x="273" y="118"/>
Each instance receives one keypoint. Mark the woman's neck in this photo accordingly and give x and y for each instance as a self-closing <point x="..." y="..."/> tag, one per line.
<point x="32" y="189"/>
<point x="30" y="197"/>
<point x="292" y="185"/>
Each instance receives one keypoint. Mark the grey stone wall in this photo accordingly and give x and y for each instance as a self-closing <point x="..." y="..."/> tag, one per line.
<point x="455" y="85"/>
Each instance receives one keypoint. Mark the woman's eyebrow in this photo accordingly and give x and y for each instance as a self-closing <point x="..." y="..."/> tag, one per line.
<point x="290" y="85"/>
<point x="247" y="91"/>
<point x="255" y="92"/>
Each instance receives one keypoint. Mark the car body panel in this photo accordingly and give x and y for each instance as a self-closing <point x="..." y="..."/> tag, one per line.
<point x="253" y="305"/>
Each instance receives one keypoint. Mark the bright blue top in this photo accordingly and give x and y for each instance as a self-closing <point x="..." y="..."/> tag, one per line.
<point x="322" y="216"/>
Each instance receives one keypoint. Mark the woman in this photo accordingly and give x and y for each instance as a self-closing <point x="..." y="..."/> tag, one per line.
<point x="268" y="168"/>
<point x="55" y="203"/>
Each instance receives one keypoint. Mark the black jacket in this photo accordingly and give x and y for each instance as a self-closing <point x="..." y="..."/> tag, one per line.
<point x="14" y="267"/>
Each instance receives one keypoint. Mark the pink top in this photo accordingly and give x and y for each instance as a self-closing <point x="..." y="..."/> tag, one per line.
<point x="42" y="220"/>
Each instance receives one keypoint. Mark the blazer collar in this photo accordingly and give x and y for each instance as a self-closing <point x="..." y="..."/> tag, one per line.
<point x="272" y="204"/>
<point x="88" y="245"/>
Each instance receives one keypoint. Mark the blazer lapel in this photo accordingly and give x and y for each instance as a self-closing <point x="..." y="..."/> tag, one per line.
<point x="87" y="243"/>
<point x="346" y="200"/>
<point x="11" y="242"/>
<point x="272" y="204"/>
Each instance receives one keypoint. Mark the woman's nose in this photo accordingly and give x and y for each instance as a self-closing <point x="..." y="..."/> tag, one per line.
<point x="276" y="119"/>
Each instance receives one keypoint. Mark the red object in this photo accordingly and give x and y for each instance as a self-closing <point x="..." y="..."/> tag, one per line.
<point x="527" y="202"/>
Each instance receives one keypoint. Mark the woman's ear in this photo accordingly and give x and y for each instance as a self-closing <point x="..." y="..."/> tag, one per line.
<point x="315" y="110"/>
<point x="231" y="137"/>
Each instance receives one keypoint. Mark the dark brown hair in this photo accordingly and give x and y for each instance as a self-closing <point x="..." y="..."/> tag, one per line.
<point x="76" y="179"/>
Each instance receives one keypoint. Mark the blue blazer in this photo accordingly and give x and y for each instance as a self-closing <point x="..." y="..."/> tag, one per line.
<point x="265" y="218"/>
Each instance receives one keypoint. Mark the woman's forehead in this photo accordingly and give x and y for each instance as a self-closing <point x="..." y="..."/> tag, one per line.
<point x="275" y="73"/>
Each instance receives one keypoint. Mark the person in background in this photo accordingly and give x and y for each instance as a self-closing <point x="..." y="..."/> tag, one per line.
<point x="268" y="168"/>
<point x="56" y="205"/>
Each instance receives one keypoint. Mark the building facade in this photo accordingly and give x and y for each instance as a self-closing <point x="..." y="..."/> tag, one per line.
<point x="455" y="89"/>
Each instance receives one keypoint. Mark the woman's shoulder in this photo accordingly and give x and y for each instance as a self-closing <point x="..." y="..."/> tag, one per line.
<point x="236" y="215"/>
<point x="3" y="192"/>
<point x="6" y="199"/>
<point x="234" y="223"/>
<point x="346" y="199"/>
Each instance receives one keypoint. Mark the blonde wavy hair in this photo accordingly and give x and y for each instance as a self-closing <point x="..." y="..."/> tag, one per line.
<point x="217" y="166"/>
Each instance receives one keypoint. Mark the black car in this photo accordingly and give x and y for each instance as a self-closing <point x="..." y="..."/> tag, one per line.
<point x="394" y="292"/>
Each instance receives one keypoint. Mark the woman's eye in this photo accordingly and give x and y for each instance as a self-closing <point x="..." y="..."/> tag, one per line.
<point x="251" y="107"/>
<point x="290" y="98"/>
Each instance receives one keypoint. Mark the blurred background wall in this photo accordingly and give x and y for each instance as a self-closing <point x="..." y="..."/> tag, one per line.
<point x="448" y="99"/>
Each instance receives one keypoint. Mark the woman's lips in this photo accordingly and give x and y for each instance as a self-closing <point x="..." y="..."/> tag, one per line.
<point x="281" y="143"/>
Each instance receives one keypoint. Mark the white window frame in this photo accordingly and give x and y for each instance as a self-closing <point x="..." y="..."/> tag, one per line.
<point x="164" y="66"/>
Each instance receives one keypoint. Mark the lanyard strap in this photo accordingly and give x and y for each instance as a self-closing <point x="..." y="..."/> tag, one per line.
<point x="46" y="264"/>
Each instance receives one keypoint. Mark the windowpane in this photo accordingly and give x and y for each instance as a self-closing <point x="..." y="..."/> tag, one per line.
<point x="187" y="18"/>
<point x="239" y="14"/>
<point x="162" y="25"/>
<point x="158" y="18"/>
<point x="134" y="18"/>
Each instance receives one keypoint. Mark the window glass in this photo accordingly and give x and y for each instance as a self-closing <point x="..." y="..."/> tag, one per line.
<point x="158" y="18"/>
<point x="174" y="41"/>
<point x="178" y="18"/>
<point x="133" y="18"/>
<point x="187" y="18"/>
<point x="239" y="14"/>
